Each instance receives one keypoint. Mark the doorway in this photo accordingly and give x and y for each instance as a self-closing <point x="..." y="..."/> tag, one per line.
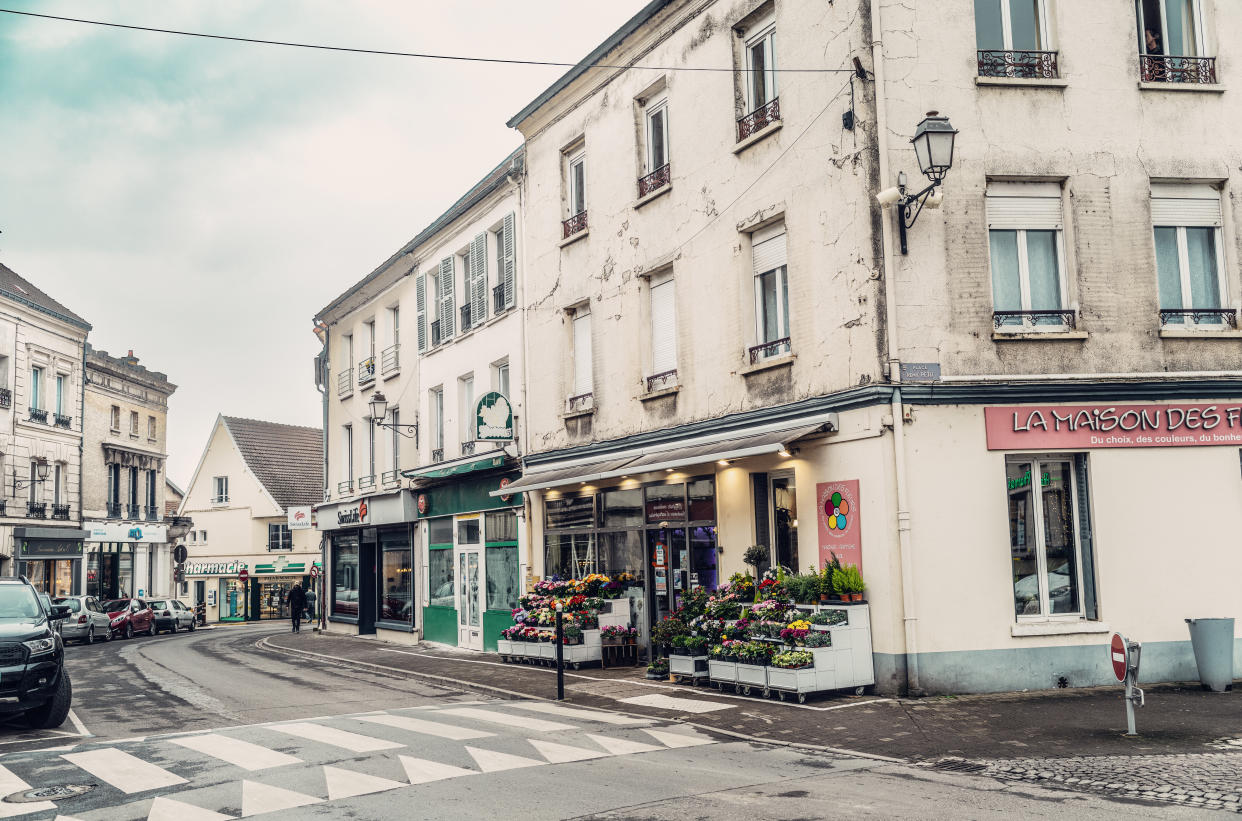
<point x="469" y="560"/>
<point x="670" y="570"/>
<point x="783" y="494"/>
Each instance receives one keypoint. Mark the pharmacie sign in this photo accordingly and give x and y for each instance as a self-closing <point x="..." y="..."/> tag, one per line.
<point x="493" y="418"/>
<point x="1112" y="426"/>
<point x="213" y="568"/>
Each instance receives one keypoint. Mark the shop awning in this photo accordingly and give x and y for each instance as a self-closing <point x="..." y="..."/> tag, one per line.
<point x="457" y="468"/>
<point x="699" y="451"/>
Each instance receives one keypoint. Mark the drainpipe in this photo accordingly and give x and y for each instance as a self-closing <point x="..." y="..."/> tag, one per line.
<point x="524" y="522"/>
<point x="893" y="365"/>
<point x="82" y="457"/>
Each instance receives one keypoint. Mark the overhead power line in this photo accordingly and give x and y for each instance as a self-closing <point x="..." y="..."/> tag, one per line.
<point x="385" y="53"/>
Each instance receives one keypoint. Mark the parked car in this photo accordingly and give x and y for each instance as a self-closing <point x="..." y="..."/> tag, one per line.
<point x="87" y="620"/>
<point x="130" y="616"/>
<point x="46" y="601"/>
<point x="33" y="680"/>
<point x="172" y="615"/>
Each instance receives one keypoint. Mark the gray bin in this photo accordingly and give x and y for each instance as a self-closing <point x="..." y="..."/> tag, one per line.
<point x="1212" y="640"/>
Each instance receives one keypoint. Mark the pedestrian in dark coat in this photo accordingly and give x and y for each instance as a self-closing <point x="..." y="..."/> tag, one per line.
<point x="296" y="599"/>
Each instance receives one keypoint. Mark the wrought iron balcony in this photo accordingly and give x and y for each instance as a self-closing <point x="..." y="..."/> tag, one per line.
<point x="768" y="350"/>
<point x="654" y="181"/>
<point x="1161" y="69"/>
<point x="36" y="510"/>
<point x="435" y="332"/>
<point x="1020" y="65"/>
<point x="345" y="382"/>
<point x="467" y="448"/>
<point x="153" y="513"/>
<point x="38" y="415"/>
<point x="580" y="403"/>
<point x="574" y="225"/>
<point x="62" y="421"/>
<point x="114" y="510"/>
<point x="1199" y="316"/>
<point x="133" y="512"/>
<point x="660" y="381"/>
<point x="345" y="487"/>
<point x="437" y="454"/>
<point x="366" y="370"/>
<point x="759" y="119"/>
<point x="465" y="317"/>
<point x="499" y="303"/>
<point x="390" y="359"/>
<point x="60" y="512"/>
<point x="6" y="398"/>
<point x="366" y="481"/>
<point x="1051" y="318"/>
<point x="390" y="477"/>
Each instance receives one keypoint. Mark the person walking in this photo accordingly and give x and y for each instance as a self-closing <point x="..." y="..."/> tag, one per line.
<point x="310" y="604"/>
<point x="296" y="599"/>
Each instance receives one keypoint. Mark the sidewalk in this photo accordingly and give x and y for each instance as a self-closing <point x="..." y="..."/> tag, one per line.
<point x="1052" y="724"/>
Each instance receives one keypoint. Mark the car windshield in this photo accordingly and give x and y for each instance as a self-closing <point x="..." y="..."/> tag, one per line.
<point x="18" y="603"/>
<point x="73" y="604"/>
<point x="116" y="604"/>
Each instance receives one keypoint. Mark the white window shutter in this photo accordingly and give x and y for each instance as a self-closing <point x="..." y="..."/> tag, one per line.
<point x="1189" y="206"/>
<point x="478" y="279"/>
<point x="582" y="354"/>
<point x="769" y="253"/>
<point x="509" y="256"/>
<point x="1032" y="206"/>
<point x="663" y="328"/>
<point x="446" y="298"/>
<point x="420" y="304"/>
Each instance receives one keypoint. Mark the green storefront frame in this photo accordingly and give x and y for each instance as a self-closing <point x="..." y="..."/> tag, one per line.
<point x="440" y="624"/>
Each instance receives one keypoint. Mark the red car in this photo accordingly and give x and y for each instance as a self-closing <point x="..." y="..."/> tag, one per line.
<point x="130" y="616"/>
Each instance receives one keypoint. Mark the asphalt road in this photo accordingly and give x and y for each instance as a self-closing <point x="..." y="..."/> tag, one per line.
<point x="209" y="726"/>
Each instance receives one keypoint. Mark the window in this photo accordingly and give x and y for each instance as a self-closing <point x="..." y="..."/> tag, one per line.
<point x="116" y="419"/>
<point x="656" y="116"/>
<point x="396" y="600"/>
<point x="1012" y="39"/>
<point x="36" y="388"/>
<point x="60" y="395"/>
<point x="133" y="423"/>
<point x="202" y="536"/>
<point x="396" y="439"/>
<point x="151" y="428"/>
<point x="33" y="478"/>
<point x="771" y="292"/>
<point x="435" y="399"/>
<point x="347" y="454"/>
<point x="58" y="477"/>
<point x="465" y="408"/>
<point x="576" y="202"/>
<point x="582" y="384"/>
<point x="193" y="536"/>
<point x="1027" y="252"/>
<point x="133" y="488"/>
<point x="761" y="66"/>
<point x="500" y="378"/>
<point x="440" y="577"/>
<point x="220" y="489"/>
<point x="394" y="323"/>
<point x="663" y="327"/>
<point x="345" y="576"/>
<point x="151" y="492"/>
<point x="503" y="237"/>
<point x="1186" y="220"/>
<point x="279" y="537"/>
<point x="1172" y="42"/>
<point x="114" y="486"/>
<point x="1049" y="536"/>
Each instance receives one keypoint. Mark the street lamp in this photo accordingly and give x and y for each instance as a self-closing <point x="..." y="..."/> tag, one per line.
<point x="933" y="147"/>
<point x="41" y="469"/>
<point x="379" y="411"/>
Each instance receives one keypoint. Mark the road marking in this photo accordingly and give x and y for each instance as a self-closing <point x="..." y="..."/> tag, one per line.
<point x="126" y="772"/>
<point x="417" y="725"/>
<point x="563" y="753"/>
<point x="9" y="784"/>
<point x="77" y="724"/>
<point x="583" y="715"/>
<point x="622" y="746"/>
<point x="520" y="722"/>
<point x="260" y="798"/>
<point x="422" y="771"/>
<point x="166" y="809"/>
<point x="338" y="738"/>
<point x="678" y="739"/>
<point x="235" y="751"/>
<point x="347" y="783"/>
<point x="684" y="705"/>
<point x="490" y="761"/>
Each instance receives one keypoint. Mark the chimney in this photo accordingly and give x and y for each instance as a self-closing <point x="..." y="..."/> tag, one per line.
<point x="130" y="359"/>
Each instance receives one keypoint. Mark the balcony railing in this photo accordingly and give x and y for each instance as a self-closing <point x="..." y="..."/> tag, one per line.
<point x="467" y="448"/>
<point x="759" y="119"/>
<point x="60" y="512"/>
<point x="345" y="382"/>
<point x="435" y="332"/>
<point x="345" y="487"/>
<point x="1054" y="318"/>
<point x="133" y="512"/>
<point x="390" y="477"/>
<point x="499" y="303"/>
<point x="1160" y="69"/>
<point x="38" y="415"/>
<point x="390" y="359"/>
<point x="768" y="350"/>
<point x="580" y="403"/>
<point x="153" y="513"/>
<point x="62" y="421"/>
<point x="1199" y="316"/>
<point x="654" y="181"/>
<point x="114" y="510"/>
<point x="465" y="317"/>
<point x="437" y="454"/>
<point x="574" y="225"/>
<point x="366" y="481"/>
<point x="6" y="398"/>
<point x="36" y="510"/>
<point x="1020" y="65"/>
<point x="366" y="370"/>
<point x="660" y="381"/>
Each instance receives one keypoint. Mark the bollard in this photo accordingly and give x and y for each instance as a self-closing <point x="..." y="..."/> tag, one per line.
<point x="560" y="653"/>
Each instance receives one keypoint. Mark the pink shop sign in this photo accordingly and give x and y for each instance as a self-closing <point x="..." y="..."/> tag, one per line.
<point x="1112" y="426"/>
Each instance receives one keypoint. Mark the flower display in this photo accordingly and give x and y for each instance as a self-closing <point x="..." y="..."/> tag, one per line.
<point x="793" y="659"/>
<point x="791" y="636"/>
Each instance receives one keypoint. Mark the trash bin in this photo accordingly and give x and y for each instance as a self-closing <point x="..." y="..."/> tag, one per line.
<point x="1212" y="640"/>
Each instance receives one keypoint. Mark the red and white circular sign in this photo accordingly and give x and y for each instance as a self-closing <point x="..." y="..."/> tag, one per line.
<point x="1117" y="653"/>
<point x="504" y="483"/>
<point x="243" y="574"/>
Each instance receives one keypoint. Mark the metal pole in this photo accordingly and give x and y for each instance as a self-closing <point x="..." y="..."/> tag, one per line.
<point x="560" y="653"/>
<point x="1130" y="705"/>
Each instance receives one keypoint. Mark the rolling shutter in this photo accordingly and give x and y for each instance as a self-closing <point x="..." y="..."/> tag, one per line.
<point x="663" y="327"/>
<point x="769" y="249"/>
<point x="446" y="298"/>
<point x="582" y="353"/>
<point x="1190" y="206"/>
<point x="420" y="304"/>
<point x="478" y="279"/>
<point x="508" y="264"/>
<point x="1034" y="206"/>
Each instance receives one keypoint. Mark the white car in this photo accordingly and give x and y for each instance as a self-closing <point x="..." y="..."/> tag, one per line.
<point x="87" y="622"/>
<point x="172" y="615"/>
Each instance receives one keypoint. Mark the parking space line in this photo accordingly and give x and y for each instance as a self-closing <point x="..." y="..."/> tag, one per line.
<point x="77" y="723"/>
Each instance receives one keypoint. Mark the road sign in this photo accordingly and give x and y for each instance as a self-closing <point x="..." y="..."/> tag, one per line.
<point x="243" y="574"/>
<point x="180" y="554"/>
<point x="314" y="572"/>
<point x="1118" y="654"/>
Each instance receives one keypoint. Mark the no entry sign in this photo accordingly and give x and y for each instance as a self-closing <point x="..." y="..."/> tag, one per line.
<point x="1117" y="652"/>
<point x="243" y="574"/>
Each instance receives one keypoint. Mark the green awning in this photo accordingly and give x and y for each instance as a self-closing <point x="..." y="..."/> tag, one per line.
<point x="456" y="470"/>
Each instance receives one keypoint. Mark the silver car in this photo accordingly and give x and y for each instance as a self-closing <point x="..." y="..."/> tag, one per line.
<point x="172" y="615"/>
<point x="87" y="621"/>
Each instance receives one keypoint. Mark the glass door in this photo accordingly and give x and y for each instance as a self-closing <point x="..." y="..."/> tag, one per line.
<point x="670" y="570"/>
<point x="469" y="599"/>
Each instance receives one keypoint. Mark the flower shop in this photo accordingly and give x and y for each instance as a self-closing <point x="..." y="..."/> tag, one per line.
<point x="595" y="623"/>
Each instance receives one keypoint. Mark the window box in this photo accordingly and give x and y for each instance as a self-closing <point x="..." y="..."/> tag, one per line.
<point x="1177" y="70"/>
<point x="1018" y="64"/>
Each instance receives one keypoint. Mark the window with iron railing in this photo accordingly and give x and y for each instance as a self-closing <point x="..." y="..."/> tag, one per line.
<point x="36" y="510"/>
<point x="366" y="370"/>
<point x="465" y="316"/>
<point x="153" y="513"/>
<point x="60" y="512"/>
<point x="1173" y="43"/>
<point x="390" y="359"/>
<point x="498" y="299"/>
<point x="114" y="510"/>
<point x="345" y="382"/>
<point x="1012" y="39"/>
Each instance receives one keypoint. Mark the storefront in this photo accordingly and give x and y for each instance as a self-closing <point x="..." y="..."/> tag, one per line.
<point x="125" y="560"/>
<point x="51" y="558"/>
<point x="260" y="596"/>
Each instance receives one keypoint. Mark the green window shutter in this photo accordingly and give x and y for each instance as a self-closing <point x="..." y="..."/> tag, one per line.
<point x="447" y="306"/>
<point x="420" y="300"/>
<point x="478" y="279"/>
<point x="509" y="256"/>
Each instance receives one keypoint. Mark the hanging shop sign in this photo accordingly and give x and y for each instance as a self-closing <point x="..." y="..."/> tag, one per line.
<point x="493" y="418"/>
<point x="840" y="522"/>
<point x="1112" y="426"/>
<point x="299" y="517"/>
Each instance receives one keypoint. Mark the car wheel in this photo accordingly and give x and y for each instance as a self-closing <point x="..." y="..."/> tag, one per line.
<point x="53" y="712"/>
<point x="129" y="630"/>
<point x="90" y="635"/>
<point x="151" y="631"/>
<point x="193" y="625"/>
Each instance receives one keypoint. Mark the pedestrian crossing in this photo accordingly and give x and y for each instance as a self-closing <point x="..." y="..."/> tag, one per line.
<point x="253" y="770"/>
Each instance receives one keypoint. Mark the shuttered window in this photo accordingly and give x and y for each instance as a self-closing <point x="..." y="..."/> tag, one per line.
<point x="663" y="326"/>
<point x="1025" y="223"/>
<point x="582" y="353"/>
<point x="446" y="298"/>
<point x="420" y="305"/>
<point x="508" y="258"/>
<point x="1186" y="222"/>
<point x="771" y="288"/>
<point x="478" y="279"/>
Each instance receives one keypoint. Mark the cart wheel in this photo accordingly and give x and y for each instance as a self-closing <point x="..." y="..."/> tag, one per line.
<point x="746" y="690"/>
<point x="802" y="698"/>
<point x="719" y="687"/>
<point x="577" y="666"/>
<point x="767" y="693"/>
<point x="858" y="691"/>
<point x="780" y="694"/>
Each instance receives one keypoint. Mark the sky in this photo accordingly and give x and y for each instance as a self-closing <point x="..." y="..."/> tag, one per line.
<point x="197" y="201"/>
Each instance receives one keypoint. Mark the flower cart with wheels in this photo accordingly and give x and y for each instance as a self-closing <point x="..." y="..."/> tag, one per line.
<point x="587" y="605"/>
<point x="688" y="659"/>
<point x="793" y="672"/>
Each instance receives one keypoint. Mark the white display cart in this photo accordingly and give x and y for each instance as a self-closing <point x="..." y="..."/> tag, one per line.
<point x="614" y="613"/>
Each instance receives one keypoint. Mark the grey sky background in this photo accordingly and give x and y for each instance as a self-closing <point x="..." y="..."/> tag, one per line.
<point x="197" y="201"/>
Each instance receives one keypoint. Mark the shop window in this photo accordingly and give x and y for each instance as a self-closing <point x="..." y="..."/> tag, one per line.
<point x="502" y="577"/>
<point x="702" y="493"/>
<point x="500" y="527"/>
<point x="571" y="555"/>
<point x="623" y="508"/>
<point x="440" y="578"/>
<point x="1049" y="536"/>
<point x="468" y="531"/>
<point x="440" y="532"/>
<point x="1186" y="220"/>
<point x="622" y="552"/>
<point x="396" y="600"/>
<point x="572" y="511"/>
<point x="666" y="503"/>
<point x="1029" y="291"/>
<point x="279" y="537"/>
<point x="345" y="576"/>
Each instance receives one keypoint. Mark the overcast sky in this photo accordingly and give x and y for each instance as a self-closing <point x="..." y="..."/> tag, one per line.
<point x="198" y="201"/>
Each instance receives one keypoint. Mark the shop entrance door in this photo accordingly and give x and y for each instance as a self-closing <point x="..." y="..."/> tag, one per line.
<point x="670" y="570"/>
<point x="469" y="598"/>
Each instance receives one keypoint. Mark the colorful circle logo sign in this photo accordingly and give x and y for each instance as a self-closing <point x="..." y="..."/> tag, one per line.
<point x="837" y="509"/>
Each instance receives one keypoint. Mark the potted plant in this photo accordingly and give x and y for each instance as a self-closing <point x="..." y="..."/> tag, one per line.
<point x="666" y="630"/>
<point x="849" y="581"/>
<point x="756" y="556"/>
<point x="572" y="634"/>
<point x="657" y="670"/>
<point x="826" y="619"/>
<point x="752" y="661"/>
<point x="722" y="661"/>
<point x="793" y="672"/>
<point x="796" y="632"/>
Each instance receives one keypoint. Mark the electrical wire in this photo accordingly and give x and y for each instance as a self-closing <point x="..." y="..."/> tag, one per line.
<point x="415" y="54"/>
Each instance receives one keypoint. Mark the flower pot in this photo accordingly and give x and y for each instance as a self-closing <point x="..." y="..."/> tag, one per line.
<point x="609" y="641"/>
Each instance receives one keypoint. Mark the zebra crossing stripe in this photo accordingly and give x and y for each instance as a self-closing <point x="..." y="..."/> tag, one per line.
<point x="236" y="752"/>
<point x="9" y="784"/>
<point x="509" y="720"/>
<point x="260" y="798"/>
<point x="353" y="742"/>
<point x="418" y="725"/>
<point x="563" y="753"/>
<point x="581" y="715"/>
<point x="490" y="761"/>
<point x="622" y="746"/>
<point x="422" y="771"/>
<point x="678" y="739"/>
<point x="166" y="809"/>
<point x="348" y="783"/>
<point x="126" y="772"/>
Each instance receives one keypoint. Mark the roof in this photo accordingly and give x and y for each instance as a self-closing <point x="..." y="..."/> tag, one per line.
<point x="632" y="25"/>
<point x="18" y="289"/>
<point x="477" y="192"/>
<point x="174" y="487"/>
<point x="286" y="459"/>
